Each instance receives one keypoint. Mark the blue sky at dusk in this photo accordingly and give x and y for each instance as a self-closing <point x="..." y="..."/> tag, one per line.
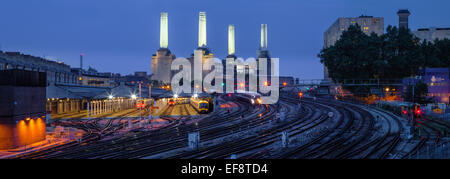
<point x="121" y="35"/>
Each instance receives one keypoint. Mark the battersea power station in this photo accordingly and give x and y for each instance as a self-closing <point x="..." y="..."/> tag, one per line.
<point x="162" y="60"/>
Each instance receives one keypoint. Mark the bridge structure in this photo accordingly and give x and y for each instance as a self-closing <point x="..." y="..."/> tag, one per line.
<point x="349" y="82"/>
<point x="328" y="86"/>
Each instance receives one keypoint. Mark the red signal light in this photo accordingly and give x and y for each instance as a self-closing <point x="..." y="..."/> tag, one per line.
<point x="140" y="105"/>
<point x="418" y="111"/>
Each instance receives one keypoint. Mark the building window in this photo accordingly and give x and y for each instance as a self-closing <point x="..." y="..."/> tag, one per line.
<point x="366" y="29"/>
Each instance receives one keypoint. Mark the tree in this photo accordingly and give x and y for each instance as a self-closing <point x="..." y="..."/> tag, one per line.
<point x="442" y="51"/>
<point x="393" y="55"/>
<point x="400" y="51"/>
<point x="428" y="56"/>
<point x="350" y="56"/>
<point x="420" y="93"/>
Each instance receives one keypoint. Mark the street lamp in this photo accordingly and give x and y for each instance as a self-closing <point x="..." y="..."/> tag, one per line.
<point x="133" y="96"/>
<point x="110" y="96"/>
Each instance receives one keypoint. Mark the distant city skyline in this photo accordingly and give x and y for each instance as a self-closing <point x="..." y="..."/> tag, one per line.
<point x="121" y="36"/>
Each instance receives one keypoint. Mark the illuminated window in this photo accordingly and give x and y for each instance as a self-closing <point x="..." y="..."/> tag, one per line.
<point x="375" y="21"/>
<point x="366" y="29"/>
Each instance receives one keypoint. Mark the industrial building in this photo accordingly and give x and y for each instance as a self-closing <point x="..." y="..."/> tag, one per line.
<point x="437" y="80"/>
<point x="369" y="24"/>
<point x="432" y="33"/>
<point x="57" y="72"/>
<point x="429" y="34"/>
<point x="162" y="60"/>
<point x="22" y="107"/>
<point x="202" y="46"/>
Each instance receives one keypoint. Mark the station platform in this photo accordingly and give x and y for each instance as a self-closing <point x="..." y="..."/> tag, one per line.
<point x="178" y="110"/>
<point x="134" y="112"/>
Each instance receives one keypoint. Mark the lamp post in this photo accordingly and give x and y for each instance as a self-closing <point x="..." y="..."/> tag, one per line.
<point x="140" y="106"/>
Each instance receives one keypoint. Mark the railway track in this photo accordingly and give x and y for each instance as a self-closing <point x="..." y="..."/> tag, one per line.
<point x="355" y="131"/>
<point x="244" y="147"/>
<point x="349" y="137"/>
<point x="93" y="134"/>
<point x="141" y="140"/>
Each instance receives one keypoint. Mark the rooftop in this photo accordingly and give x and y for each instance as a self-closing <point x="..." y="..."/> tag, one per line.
<point x="403" y="11"/>
<point x="433" y="28"/>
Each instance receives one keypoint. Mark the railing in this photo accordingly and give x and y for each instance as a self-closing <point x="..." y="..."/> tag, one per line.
<point x="350" y="82"/>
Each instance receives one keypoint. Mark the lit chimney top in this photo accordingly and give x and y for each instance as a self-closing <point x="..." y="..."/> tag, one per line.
<point x="164" y="37"/>
<point x="263" y="36"/>
<point x="231" y="42"/>
<point x="202" y="30"/>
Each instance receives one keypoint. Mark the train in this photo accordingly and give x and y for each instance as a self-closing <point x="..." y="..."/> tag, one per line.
<point x="201" y="106"/>
<point x="250" y="97"/>
<point x="403" y="108"/>
<point x="141" y="104"/>
<point x="171" y="102"/>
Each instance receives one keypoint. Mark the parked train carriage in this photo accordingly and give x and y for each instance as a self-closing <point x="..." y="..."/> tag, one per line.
<point x="171" y="102"/>
<point x="201" y="106"/>
<point x="404" y="108"/>
<point x="141" y="104"/>
<point x="252" y="98"/>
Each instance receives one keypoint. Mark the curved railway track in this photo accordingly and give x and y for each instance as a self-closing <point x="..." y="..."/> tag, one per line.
<point x="355" y="131"/>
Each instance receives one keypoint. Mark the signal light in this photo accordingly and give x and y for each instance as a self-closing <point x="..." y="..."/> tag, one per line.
<point x="300" y="94"/>
<point x="266" y="83"/>
<point x="418" y="111"/>
<point x="140" y="105"/>
<point x="405" y="112"/>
